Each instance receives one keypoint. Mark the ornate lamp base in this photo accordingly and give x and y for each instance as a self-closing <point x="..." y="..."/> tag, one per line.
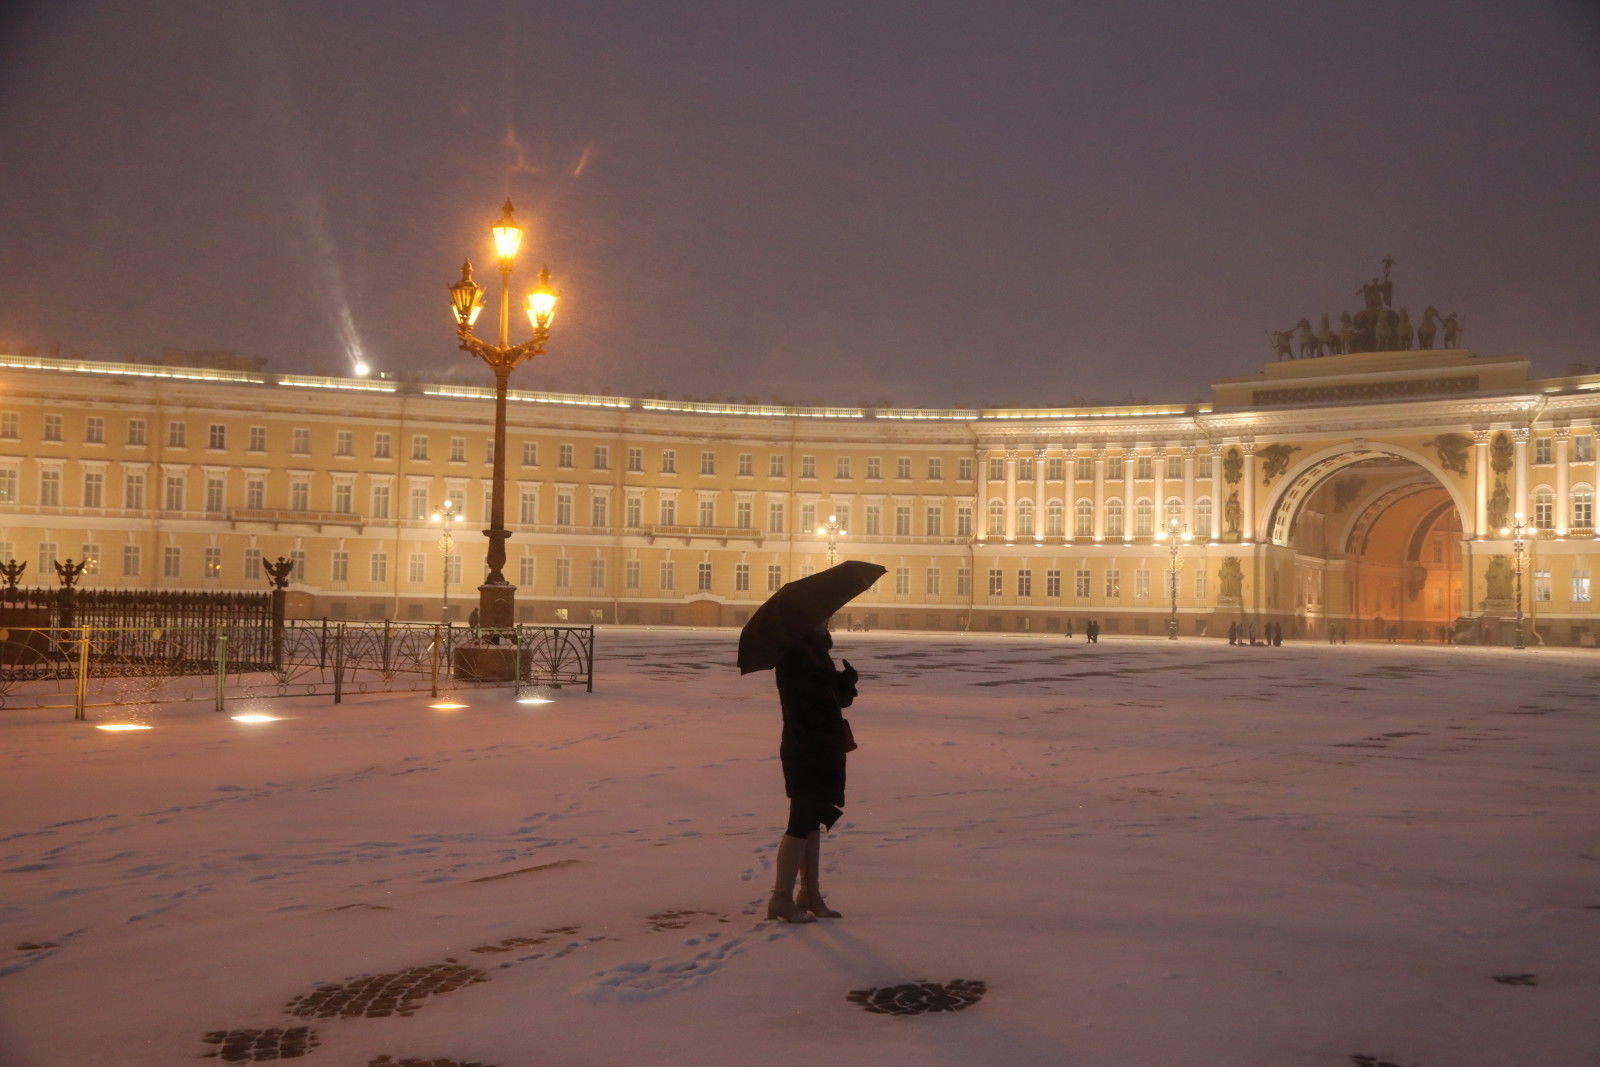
<point x="497" y="606"/>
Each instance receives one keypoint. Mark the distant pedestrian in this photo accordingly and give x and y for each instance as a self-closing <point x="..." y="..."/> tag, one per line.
<point x="1091" y="632"/>
<point x="1233" y="633"/>
<point x="1069" y="628"/>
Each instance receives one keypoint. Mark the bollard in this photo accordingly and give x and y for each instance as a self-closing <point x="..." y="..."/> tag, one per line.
<point x="433" y="659"/>
<point x="338" y="664"/>
<point x="222" y="668"/>
<point x="81" y="696"/>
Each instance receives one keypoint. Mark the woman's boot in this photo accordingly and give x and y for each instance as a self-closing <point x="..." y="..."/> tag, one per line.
<point x="810" y="898"/>
<point x="791" y="853"/>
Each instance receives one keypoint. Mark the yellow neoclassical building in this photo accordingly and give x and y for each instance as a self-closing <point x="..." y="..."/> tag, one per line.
<point x="1365" y="493"/>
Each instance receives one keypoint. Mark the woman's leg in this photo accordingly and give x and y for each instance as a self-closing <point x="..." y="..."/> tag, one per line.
<point x="791" y="855"/>
<point x="810" y="898"/>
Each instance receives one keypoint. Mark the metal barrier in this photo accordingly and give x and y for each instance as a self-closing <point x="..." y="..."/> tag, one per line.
<point x="83" y="666"/>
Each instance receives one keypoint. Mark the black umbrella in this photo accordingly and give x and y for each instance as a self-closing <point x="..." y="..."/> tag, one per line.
<point x="799" y="606"/>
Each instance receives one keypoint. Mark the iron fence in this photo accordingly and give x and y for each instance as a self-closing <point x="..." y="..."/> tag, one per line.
<point x="84" y="666"/>
<point x="143" y="608"/>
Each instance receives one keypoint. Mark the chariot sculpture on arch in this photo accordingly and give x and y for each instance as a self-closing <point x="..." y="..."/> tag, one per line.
<point x="1379" y="326"/>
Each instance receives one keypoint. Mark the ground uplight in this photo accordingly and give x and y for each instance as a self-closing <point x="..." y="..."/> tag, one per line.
<point x="121" y="727"/>
<point x="255" y="717"/>
<point x="446" y="705"/>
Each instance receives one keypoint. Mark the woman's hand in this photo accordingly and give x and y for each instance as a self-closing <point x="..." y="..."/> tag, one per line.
<point x="849" y="675"/>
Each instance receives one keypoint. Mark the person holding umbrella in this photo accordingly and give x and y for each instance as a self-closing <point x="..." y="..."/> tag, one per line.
<point x="789" y="634"/>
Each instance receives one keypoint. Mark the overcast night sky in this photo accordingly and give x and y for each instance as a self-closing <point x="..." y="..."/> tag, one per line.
<point x="930" y="203"/>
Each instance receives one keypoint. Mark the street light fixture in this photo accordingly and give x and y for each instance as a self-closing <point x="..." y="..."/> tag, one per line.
<point x="496" y="596"/>
<point x="833" y="529"/>
<point x="1176" y="535"/>
<point x="447" y="518"/>
<point x="1518" y="530"/>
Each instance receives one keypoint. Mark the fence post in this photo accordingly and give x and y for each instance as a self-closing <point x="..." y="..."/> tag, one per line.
<point x="387" y="638"/>
<point x="322" y="646"/>
<point x="338" y="663"/>
<point x="81" y="697"/>
<point x="222" y="666"/>
<point x="433" y="659"/>
<point x="590" y="687"/>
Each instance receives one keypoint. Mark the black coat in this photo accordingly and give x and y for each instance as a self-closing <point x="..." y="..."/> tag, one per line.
<point x="813" y="693"/>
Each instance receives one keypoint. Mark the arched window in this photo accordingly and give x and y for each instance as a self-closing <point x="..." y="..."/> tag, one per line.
<point x="1055" y="519"/>
<point x="1144" y="518"/>
<point x="1083" y="518"/>
<point x="1202" y="518"/>
<point x="1544" y="508"/>
<point x="1583" y="507"/>
<point x="1114" y="518"/>
<point x="1174" y="510"/>
<point x="997" y="518"/>
<point x="1024" y="518"/>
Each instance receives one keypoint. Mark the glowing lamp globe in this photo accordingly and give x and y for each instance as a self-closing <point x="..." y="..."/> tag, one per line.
<point x="542" y="302"/>
<point x="507" y="236"/>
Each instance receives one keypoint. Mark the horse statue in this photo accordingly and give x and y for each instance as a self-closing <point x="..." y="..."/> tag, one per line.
<point x="1429" y="327"/>
<point x="1347" y="333"/>
<point x="1282" y="342"/>
<point x="1310" y="345"/>
<point x="1330" y="340"/>
<point x="1452" y="330"/>
<point x="1404" y="334"/>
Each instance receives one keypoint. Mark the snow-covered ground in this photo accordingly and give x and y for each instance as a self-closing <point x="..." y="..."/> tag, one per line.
<point x="1150" y="852"/>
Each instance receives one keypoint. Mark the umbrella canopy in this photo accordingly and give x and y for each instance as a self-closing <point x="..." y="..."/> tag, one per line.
<point x="799" y="606"/>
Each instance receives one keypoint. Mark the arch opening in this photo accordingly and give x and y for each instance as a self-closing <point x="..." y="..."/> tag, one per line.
<point x="1371" y="543"/>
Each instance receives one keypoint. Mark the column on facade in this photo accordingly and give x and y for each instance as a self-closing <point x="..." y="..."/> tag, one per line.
<point x="1038" y="495"/>
<point x="1188" y="492"/>
<point x="980" y="505"/>
<point x="1563" y="514"/>
<point x="1158" y="466"/>
<point x="1480" y="455"/>
<point x="1519" y="502"/>
<point x="1011" y="494"/>
<point x="1248" y="497"/>
<point x="1100" y="493"/>
<point x="1129" y="464"/>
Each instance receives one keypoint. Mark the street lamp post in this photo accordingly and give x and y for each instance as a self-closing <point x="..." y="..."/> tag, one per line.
<point x="496" y="596"/>
<point x="1176" y="535"/>
<point x="1518" y="531"/>
<point x="833" y="529"/>
<point x="447" y="517"/>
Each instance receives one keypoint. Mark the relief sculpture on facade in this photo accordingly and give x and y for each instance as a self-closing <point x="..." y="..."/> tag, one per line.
<point x="1231" y="579"/>
<point x="1275" y="460"/>
<point x="1451" y="449"/>
<point x="1500" y="460"/>
<point x="1497" y="582"/>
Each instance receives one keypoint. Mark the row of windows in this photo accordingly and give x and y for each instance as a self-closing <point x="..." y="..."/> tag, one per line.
<point x="1544" y="508"/>
<point x="1083" y="513"/>
<point x="175" y="498"/>
<point x="1582" y="450"/>
<point x="216" y="438"/>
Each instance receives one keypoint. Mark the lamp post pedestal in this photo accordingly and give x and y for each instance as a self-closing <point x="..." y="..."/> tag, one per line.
<point x="497" y="605"/>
